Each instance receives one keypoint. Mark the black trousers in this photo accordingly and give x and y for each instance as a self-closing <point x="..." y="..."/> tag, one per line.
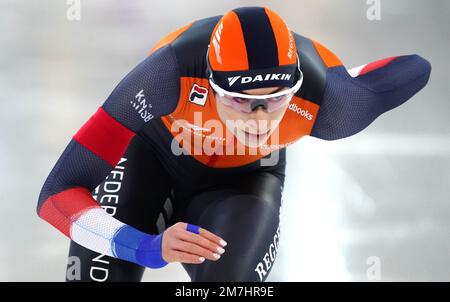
<point x="151" y="189"/>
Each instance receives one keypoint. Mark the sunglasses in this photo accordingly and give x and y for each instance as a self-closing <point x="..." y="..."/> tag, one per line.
<point x="248" y="103"/>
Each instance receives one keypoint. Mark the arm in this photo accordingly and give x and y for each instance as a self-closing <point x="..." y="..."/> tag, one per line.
<point x="150" y="90"/>
<point x="353" y="99"/>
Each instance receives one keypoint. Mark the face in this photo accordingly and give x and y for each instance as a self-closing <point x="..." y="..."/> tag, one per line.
<point x="252" y="129"/>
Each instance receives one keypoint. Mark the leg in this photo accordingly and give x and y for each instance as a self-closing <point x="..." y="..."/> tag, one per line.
<point x="135" y="192"/>
<point x="246" y="215"/>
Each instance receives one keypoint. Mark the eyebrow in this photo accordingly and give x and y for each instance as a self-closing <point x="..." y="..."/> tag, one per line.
<point x="275" y="91"/>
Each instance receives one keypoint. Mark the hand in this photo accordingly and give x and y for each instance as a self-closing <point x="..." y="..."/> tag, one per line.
<point x="180" y="245"/>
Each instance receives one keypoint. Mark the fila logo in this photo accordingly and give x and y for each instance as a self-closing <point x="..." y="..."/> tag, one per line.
<point x="198" y="95"/>
<point x="259" y="78"/>
<point x="216" y="42"/>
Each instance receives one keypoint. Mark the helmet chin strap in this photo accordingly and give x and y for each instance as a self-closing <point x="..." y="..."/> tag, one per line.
<point x="258" y="103"/>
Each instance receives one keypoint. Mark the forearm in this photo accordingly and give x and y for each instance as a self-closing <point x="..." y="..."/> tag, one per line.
<point x="350" y="104"/>
<point x="86" y="223"/>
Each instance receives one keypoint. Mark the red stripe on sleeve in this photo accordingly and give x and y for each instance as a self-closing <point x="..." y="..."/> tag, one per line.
<point x="104" y="136"/>
<point x="61" y="209"/>
<point x="375" y="65"/>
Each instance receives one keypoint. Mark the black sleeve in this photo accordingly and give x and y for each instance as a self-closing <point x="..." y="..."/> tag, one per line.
<point x="350" y="104"/>
<point x="150" y="90"/>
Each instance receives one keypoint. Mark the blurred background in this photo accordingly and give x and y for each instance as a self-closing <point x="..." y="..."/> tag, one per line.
<point x="384" y="197"/>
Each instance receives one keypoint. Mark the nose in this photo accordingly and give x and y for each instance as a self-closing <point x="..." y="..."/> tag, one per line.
<point x="259" y="116"/>
<point x="258" y="104"/>
<point x="259" y="112"/>
<point x="260" y="107"/>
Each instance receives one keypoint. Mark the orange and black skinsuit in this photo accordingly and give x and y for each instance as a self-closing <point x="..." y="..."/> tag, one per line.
<point x="131" y="139"/>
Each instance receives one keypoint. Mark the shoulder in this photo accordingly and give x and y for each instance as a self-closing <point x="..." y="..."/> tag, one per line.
<point x="315" y="60"/>
<point x="189" y="44"/>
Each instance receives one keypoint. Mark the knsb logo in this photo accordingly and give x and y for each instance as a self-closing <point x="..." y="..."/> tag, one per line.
<point x="142" y="106"/>
<point x="259" y="78"/>
<point x="198" y="95"/>
<point x="304" y="113"/>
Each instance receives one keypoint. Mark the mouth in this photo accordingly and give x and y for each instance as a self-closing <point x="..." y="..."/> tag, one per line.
<point x="256" y="135"/>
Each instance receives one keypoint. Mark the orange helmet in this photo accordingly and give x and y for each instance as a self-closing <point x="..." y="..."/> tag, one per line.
<point x="252" y="47"/>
